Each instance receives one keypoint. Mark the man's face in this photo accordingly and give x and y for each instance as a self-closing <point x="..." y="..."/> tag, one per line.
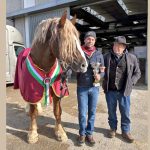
<point x="118" y="48"/>
<point x="89" y="41"/>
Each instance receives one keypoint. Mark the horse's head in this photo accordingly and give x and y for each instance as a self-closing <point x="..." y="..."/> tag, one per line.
<point x="63" y="41"/>
<point x="68" y="47"/>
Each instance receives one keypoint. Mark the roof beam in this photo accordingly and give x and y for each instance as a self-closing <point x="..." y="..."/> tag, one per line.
<point x="92" y="2"/>
<point x="93" y="20"/>
<point x="116" y="8"/>
<point x="94" y="13"/>
<point x="122" y="29"/>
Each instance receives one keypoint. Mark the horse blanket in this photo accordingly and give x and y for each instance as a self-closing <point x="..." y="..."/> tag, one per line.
<point x="31" y="88"/>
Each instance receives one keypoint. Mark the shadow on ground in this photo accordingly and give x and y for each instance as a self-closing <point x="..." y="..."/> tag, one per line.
<point x="18" y="124"/>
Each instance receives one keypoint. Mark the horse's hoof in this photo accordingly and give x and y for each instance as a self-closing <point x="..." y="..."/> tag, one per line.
<point x="32" y="138"/>
<point x="60" y="134"/>
<point x="64" y="138"/>
<point x="60" y="137"/>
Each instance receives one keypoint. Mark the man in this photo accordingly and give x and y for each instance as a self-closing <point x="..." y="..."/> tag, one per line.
<point x="121" y="74"/>
<point x="87" y="90"/>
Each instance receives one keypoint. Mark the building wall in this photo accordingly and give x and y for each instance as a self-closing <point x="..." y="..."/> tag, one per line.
<point x="35" y="19"/>
<point x="26" y="25"/>
<point x="37" y="2"/>
<point x="14" y="6"/>
<point x="141" y="53"/>
<point x="9" y="22"/>
<point x="20" y="25"/>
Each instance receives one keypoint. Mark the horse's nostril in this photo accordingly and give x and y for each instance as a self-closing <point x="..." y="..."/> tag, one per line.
<point x="83" y="66"/>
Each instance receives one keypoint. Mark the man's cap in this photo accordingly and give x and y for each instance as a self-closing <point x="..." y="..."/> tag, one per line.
<point x="121" y="39"/>
<point x="90" y="33"/>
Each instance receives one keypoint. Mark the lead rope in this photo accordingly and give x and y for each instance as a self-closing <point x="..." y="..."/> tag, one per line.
<point x="64" y="86"/>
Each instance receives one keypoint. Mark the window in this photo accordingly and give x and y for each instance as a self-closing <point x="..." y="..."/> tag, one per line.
<point x="18" y="49"/>
<point x="29" y="3"/>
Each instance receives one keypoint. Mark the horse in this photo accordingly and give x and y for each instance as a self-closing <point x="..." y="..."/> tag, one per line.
<point x="54" y="49"/>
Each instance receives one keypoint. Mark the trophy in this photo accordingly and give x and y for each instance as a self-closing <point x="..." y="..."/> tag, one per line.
<point x="96" y="70"/>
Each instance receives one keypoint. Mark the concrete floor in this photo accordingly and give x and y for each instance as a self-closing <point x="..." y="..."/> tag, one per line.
<point x="18" y="122"/>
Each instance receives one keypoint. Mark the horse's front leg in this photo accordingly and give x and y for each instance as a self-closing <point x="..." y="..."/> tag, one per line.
<point x="33" y="135"/>
<point x="59" y="130"/>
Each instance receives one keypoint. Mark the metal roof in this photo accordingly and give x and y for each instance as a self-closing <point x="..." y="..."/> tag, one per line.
<point x="118" y="17"/>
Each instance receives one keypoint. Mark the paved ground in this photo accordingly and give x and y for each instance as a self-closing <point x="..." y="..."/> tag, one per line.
<point x="17" y="124"/>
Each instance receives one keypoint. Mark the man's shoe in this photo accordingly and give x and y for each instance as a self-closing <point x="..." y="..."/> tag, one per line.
<point x="81" y="140"/>
<point x="112" y="133"/>
<point x="90" y="139"/>
<point x="128" y="137"/>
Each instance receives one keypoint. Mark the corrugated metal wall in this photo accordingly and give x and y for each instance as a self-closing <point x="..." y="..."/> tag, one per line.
<point x="20" y="25"/>
<point x="37" y="18"/>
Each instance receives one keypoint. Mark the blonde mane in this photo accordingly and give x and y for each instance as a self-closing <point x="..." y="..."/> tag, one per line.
<point x="64" y="37"/>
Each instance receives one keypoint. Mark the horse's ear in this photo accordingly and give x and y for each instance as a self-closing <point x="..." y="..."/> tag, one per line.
<point x="73" y="20"/>
<point x="63" y="20"/>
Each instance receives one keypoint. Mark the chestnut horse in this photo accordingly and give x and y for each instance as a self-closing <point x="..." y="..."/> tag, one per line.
<point x="55" y="40"/>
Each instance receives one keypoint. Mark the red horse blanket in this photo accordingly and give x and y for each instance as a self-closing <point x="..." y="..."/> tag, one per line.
<point x="32" y="81"/>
